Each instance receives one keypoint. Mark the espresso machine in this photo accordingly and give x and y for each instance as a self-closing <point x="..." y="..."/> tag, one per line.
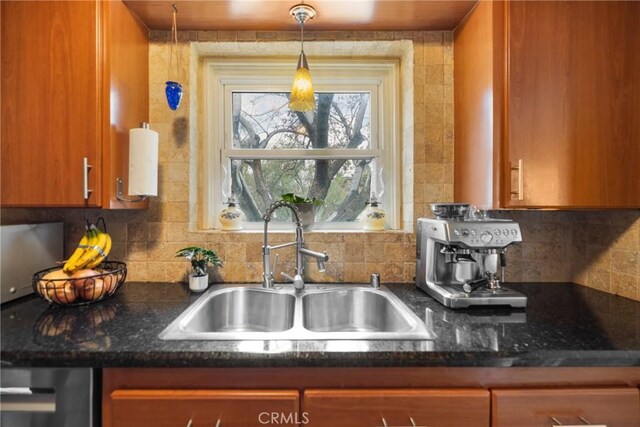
<point x="460" y="257"/>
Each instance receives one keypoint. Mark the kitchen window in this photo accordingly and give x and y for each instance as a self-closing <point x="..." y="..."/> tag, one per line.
<point x="342" y="152"/>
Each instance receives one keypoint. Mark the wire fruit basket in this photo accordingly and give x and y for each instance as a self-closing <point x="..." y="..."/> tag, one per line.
<point x="86" y="288"/>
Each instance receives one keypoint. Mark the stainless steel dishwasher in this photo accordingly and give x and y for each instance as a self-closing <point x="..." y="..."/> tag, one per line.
<point x="47" y="397"/>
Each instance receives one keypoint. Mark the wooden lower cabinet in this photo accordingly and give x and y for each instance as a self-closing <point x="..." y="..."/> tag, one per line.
<point x="396" y="407"/>
<point x="370" y="397"/>
<point x="612" y="407"/>
<point x="203" y="408"/>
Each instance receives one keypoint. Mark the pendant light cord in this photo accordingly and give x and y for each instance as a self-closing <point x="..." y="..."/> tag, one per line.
<point x="302" y="36"/>
<point x="174" y="40"/>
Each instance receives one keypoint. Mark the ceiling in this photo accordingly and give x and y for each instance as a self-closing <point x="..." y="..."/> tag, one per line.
<point x="272" y="15"/>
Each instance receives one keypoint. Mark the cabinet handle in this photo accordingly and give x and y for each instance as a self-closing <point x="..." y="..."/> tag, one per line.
<point x="86" y="167"/>
<point x="219" y="422"/>
<point x="413" y="423"/>
<point x="384" y="423"/>
<point x="520" y="192"/>
<point x="25" y="399"/>
<point x="190" y="423"/>
<point x="585" y="422"/>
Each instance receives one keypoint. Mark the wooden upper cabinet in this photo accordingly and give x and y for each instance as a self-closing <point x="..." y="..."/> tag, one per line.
<point x="202" y="408"/>
<point x="74" y="81"/>
<point x="547" y="98"/>
<point x="396" y="407"/>
<point x="564" y="406"/>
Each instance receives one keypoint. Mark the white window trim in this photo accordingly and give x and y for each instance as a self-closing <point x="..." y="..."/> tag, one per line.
<point x="377" y="76"/>
<point x="399" y="51"/>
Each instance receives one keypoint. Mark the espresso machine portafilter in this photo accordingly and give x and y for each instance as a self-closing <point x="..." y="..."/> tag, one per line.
<point x="460" y="258"/>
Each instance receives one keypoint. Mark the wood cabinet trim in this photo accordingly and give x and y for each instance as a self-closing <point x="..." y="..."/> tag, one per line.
<point x="198" y="393"/>
<point x="306" y="378"/>
<point x="396" y="392"/>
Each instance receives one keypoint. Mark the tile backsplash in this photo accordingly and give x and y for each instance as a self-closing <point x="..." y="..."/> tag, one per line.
<point x="596" y="249"/>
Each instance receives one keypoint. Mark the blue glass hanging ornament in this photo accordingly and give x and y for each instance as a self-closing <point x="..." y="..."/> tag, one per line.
<point x="173" y="90"/>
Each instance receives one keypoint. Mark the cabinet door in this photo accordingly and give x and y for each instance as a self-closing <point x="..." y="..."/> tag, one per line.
<point x="614" y="407"/>
<point x="50" y="103"/>
<point x="200" y="408"/>
<point x="422" y="408"/>
<point x="573" y="101"/>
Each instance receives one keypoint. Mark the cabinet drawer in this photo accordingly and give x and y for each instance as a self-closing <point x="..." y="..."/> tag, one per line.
<point x="199" y="408"/>
<point x="613" y="407"/>
<point x="369" y="408"/>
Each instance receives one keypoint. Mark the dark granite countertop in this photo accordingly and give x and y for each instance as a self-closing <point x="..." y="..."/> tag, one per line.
<point x="564" y="325"/>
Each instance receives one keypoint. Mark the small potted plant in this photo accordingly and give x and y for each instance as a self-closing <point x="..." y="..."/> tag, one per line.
<point x="306" y="207"/>
<point x="200" y="258"/>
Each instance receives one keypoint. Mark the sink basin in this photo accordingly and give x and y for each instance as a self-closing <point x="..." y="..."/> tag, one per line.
<point x="320" y="312"/>
<point x="242" y="310"/>
<point x="353" y="310"/>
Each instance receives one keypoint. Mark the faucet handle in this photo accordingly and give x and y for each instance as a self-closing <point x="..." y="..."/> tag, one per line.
<point x="297" y="281"/>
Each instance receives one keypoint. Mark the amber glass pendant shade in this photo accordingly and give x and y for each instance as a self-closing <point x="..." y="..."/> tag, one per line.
<point x="302" y="95"/>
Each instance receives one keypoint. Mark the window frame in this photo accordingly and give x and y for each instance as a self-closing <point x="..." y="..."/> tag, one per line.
<point x="223" y="76"/>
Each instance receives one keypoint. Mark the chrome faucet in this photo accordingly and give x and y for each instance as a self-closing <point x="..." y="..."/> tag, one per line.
<point x="267" y="274"/>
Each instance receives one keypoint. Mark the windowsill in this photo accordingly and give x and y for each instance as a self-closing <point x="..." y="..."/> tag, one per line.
<point x="306" y="233"/>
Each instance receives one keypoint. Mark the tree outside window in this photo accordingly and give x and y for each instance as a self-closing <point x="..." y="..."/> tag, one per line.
<point x="341" y="121"/>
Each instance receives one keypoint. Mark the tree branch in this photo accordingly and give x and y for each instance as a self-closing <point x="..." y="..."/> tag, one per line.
<point x="308" y="125"/>
<point x="355" y="140"/>
<point x="343" y="120"/>
<point x="321" y="178"/>
<point x="362" y="108"/>
<point x="352" y="205"/>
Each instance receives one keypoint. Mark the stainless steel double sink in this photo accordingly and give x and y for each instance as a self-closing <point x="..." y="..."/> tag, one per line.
<point x="319" y="312"/>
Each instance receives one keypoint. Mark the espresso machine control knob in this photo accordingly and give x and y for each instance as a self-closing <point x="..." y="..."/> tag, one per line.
<point x="486" y="237"/>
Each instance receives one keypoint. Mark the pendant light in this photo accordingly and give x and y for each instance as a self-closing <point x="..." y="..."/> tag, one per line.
<point x="302" y="96"/>
<point x="173" y="89"/>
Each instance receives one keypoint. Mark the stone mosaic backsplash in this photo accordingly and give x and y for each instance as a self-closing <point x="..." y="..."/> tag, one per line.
<point x="596" y="249"/>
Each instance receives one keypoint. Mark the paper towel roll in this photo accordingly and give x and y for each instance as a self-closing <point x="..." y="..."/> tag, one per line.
<point x="143" y="162"/>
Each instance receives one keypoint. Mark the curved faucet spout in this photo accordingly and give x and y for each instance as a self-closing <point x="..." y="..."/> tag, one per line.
<point x="271" y="209"/>
<point x="267" y="275"/>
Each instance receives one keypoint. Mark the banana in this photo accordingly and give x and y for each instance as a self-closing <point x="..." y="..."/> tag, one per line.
<point x="103" y="254"/>
<point x="94" y="250"/>
<point x="82" y="246"/>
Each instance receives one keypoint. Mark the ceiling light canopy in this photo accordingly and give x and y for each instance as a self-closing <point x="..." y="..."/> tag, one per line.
<point x="302" y="95"/>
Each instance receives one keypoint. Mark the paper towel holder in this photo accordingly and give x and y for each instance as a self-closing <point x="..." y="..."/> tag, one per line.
<point x="120" y="195"/>
<point x="119" y="182"/>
